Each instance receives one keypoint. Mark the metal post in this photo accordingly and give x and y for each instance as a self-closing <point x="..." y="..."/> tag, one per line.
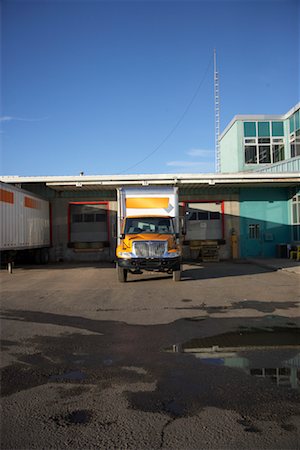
<point x="217" y="114"/>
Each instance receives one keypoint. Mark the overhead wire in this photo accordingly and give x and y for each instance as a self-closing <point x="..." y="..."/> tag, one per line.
<point x="173" y="129"/>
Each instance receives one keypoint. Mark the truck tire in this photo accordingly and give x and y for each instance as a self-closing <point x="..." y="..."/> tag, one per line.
<point x="37" y="256"/>
<point x="176" y="275"/>
<point x="122" y="274"/>
<point x="44" y="256"/>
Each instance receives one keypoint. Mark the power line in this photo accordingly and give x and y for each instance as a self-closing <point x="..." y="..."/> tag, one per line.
<point x="176" y="124"/>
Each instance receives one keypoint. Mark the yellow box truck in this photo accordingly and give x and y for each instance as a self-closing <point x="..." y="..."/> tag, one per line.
<point x="148" y="231"/>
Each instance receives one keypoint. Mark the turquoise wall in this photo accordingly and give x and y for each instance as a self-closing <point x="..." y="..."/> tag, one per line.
<point x="230" y="150"/>
<point x="268" y="208"/>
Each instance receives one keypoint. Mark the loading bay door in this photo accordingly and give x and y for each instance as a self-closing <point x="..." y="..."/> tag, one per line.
<point x="204" y="221"/>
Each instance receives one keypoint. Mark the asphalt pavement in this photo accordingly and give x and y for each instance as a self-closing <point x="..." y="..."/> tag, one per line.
<point x="211" y="362"/>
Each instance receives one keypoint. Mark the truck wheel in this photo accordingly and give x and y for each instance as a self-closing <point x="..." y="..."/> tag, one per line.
<point x="37" y="256"/>
<point x="44" y="256"/>
<point x="122" y="274"/>
<point x="176" y="275"/>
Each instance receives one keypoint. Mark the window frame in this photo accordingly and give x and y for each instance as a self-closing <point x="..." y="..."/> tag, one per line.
<point x="295" y="201"/>
<point x="258" y="141"/>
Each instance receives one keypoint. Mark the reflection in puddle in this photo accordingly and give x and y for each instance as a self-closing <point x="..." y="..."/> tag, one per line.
<point x="74" y="375"/>
<point x="270" y="353"/>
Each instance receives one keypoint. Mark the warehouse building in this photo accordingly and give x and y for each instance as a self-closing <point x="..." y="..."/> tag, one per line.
<point x="254" y="201"/>
<point x="213" y="207"/>
<point x="265" y="144"/>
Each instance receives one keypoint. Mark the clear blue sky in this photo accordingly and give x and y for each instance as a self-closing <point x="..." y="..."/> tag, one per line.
<point x="97" y="86"/>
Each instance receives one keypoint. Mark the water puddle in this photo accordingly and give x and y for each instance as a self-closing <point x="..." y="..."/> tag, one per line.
<point x="75" y="375"/>
<point x="270" y="353"/>
<point x="78" y="417"/>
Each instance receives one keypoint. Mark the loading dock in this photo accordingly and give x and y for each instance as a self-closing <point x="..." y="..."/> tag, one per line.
<point x="214" y="207"/>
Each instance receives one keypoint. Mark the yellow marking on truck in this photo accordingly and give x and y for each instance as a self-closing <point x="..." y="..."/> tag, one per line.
<point x="149" y="203"/>
<point x="6" y="196"/>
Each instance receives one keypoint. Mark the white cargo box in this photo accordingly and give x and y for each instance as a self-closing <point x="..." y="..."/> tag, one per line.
<point x="162" y="201"/>
<point x="24" y="219"/>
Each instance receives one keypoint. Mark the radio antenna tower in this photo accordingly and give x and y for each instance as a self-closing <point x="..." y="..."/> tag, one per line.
<point x="217" y="114"/>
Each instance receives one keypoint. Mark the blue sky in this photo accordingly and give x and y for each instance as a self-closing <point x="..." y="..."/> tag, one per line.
<point x="98" y="86"/>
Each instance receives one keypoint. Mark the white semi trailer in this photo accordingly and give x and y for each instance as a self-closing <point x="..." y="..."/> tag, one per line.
<point x="25" y="225"/>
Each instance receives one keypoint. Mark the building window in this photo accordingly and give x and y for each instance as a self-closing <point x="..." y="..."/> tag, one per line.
<point x="296" y="217"/>
<point x="250" y="154"/>
<point x="278" y="150"/>
<point x="295" y="134"/>
<point x="263" y="129"/>
<point x="277" y="129"/>
<point x="249" y="129"/>
<point x="260" y="146"/>
<point x="254" y="231"/>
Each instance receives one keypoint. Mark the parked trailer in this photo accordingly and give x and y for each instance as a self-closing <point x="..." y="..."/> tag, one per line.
<point x="25" y="225"/>
<point x="148" y="231"/>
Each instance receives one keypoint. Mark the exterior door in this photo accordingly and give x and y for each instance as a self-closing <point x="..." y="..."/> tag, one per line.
<point x="254" y="239"/>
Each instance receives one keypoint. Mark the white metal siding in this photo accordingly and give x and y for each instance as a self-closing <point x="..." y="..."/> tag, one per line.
<point x="23" y="227"/>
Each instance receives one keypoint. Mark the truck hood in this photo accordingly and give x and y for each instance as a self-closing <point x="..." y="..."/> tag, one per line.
<point x="127" y="241"/>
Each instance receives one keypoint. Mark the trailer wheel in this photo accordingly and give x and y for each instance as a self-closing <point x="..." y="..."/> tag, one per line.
<point x="122" y="274"/>
<point x="44" y="256"/>
<point x="176" y="275"/>
<point x="37" y="256"/>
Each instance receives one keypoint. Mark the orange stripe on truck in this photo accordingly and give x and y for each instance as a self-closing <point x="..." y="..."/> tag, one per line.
<point x="31" y="203"/>
<point x="6" y="196"/>
<point x="148" y="202"/>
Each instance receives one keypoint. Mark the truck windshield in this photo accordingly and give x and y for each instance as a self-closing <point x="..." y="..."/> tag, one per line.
<point x="153" y="225"/>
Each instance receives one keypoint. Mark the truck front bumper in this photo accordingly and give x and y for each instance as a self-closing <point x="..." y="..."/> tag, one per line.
<point x="155" y="264"/>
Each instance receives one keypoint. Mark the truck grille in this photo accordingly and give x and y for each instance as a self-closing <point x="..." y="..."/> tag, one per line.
<point x="149" y="249"/>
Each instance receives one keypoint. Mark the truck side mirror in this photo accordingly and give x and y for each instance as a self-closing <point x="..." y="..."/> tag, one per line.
<point x="122" y="236"/>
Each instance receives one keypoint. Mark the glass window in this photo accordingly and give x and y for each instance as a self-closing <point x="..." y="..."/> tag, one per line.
<point x="100" y="217"/>
<point x="295" y="147"/>
<point x="297" y="120"/>
<point x="148" y="225"/>
<point x="277" y="129"/>
<point x="76" y="218"/>
<point x="263" y="129"/>
<point x="292" y="124"/>
<point x="264" y="154"/>
<point x="250" y="154"/>
<point x="203" y="215"/>
<point x="215" y="215"/>
<point x="264" y="140"/>
<point x="193" y="216"/>
<point x="249" y="129"/>
<point x="278" y="152"/>
<point x="253" y="231"/>
<point x="88" y="217"/>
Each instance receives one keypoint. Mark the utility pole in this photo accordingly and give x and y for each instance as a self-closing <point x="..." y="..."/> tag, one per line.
<point x="217" y="114"/>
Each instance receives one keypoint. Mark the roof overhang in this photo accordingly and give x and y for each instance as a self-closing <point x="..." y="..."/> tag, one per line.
<point x="254" y="117"/>
<point x="104" y="182"/>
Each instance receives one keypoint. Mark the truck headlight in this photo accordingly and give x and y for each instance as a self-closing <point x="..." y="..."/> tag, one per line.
<point x="171" y="254"/>
<point x="125" y="255"/>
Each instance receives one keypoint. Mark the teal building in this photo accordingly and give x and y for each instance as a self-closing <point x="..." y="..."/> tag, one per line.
<point x="269" y="217"/>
